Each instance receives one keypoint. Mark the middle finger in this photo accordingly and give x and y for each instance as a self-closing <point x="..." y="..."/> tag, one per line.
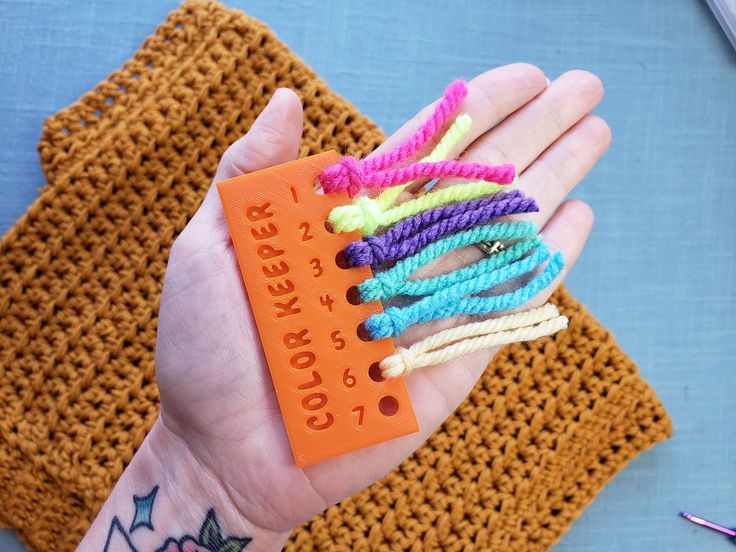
<point x="523" y="136"/>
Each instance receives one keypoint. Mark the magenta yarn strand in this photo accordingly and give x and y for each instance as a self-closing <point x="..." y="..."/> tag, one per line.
<point x="501" y="174"/>
<point x="390" y="168"/>
<point x="448" y="104"/>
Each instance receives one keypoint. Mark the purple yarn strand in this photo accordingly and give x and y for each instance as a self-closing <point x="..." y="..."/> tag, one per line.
<point x="413" y="233"/>
<point x="412" y="225"/>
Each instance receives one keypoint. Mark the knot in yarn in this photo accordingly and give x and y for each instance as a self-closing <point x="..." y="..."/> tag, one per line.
<point x="346" y="218"/>
<point x="398" y="364"/>
<point x="370" y="213"/>
<point x="368" y="251"/>
<point x="346" y="175"/>
<point x="379" y="287"/>
<point x="364" y="215"/>
<point x="391" y="322"/>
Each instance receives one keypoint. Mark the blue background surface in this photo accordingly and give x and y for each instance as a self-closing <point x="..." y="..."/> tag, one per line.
<point x="660" y="267"/>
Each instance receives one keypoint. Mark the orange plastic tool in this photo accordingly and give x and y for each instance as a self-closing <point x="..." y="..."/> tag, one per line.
<point x="332" y="397"/>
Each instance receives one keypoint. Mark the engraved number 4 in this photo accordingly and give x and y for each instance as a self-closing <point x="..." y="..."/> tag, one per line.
<point x="326" y="301"/>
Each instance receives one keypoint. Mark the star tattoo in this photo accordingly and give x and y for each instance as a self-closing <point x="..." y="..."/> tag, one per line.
<point x="143" y="510"/>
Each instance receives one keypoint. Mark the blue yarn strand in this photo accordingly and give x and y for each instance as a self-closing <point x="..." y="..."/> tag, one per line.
<point x="385" y="285"/>
<point x="458" y="300"/>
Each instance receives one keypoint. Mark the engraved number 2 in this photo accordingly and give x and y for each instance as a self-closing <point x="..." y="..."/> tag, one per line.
<point x="304" y="227"/>
<point x="317" y="267"/>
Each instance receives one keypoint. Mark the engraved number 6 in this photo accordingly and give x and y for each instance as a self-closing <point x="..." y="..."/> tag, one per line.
<point x="348" y="379"/>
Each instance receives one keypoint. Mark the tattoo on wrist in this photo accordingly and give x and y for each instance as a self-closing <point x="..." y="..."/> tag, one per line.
<point x="209" y="538"/>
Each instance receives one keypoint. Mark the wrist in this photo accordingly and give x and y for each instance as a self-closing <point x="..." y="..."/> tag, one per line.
<point x="189" y="486"/>
<point x="179" y="506"/>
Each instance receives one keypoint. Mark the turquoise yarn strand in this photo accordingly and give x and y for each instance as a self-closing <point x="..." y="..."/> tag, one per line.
<point x="456" y="300"/>
<point x="386" y="285"/>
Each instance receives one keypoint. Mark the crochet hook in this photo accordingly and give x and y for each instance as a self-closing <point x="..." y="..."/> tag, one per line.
<point x="730" y="533"/>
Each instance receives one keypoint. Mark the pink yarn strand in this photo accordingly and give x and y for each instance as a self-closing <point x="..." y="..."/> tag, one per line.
<point x="501" y="174"/>
<point x="450" y="102"/>
<point x="353" y="175"/>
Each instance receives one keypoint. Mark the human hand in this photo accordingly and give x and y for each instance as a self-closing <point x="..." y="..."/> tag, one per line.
<point x="217" y="399"/>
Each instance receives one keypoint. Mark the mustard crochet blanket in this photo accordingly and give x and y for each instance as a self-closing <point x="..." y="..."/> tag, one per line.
<point x="80" y="280"/>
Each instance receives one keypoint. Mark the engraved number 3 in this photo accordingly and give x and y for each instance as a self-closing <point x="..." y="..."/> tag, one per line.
<point x="317" y="266"/>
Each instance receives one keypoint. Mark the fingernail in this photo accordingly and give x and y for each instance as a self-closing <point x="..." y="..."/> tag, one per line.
<point x="279" y="92"/>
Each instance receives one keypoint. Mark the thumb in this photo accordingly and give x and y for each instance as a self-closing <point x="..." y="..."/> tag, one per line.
<point x="273" y="138"/>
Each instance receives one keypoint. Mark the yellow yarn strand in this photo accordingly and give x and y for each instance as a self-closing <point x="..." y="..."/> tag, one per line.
<point x="368" y="214"/>
<point x="451" y="194"/>
<point x="476" y="336"/>
<point x="454" y="134"/>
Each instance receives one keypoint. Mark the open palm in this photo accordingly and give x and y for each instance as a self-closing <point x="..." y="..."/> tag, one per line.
<point x="216" y="391"/>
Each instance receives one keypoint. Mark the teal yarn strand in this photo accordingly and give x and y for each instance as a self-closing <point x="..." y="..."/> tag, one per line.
<point x="489" y="280"/>
<point x="389" y="283"/>
<point x="385" y="286"/>
<point x="458" y="300"/>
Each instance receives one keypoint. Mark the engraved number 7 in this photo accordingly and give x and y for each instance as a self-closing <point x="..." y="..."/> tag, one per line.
<point x="360" y="411"/>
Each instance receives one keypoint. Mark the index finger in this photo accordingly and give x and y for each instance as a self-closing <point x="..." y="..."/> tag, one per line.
<point x="492" y="96"/>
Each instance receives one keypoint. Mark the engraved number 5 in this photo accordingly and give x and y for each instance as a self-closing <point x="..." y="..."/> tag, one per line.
<point x="337" y="340"/>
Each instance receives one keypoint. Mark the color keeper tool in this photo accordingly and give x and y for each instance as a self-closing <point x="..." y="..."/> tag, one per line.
<point x="337" y="374"/>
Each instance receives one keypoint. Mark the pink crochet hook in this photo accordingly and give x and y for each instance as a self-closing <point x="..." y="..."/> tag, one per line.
<point x="730" y="533"/>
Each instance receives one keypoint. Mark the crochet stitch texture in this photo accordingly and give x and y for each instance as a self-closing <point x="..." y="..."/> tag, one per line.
<point x="80" y="280"/>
